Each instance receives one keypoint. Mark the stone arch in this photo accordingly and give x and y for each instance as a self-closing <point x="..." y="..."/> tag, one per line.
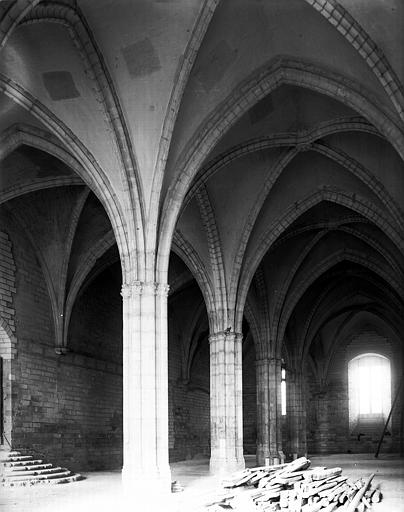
<point x="85" y="165"/>
<point x="251" y="317"/>
<point x="282" y="70"/>
<point x="15" y="14"/>
<point x="297" y="143"/>
<point x="391" y="329"/>
<point x="8" y="341"/>
<point x="105" y="90"/>
<point x="374" y="56"/>
<point x="339" y="256"/>
<point x="186" y="252"/>
<point x="201" y="26"/>
<point x="215" y="255"/>
<point x="308" y="325"/>
<point x="56" y="316"/>
<point x="280" y="225"/>
<point x="300" y="140"/>
<point x="88" y="262"/>
<point x="320" y="235"/>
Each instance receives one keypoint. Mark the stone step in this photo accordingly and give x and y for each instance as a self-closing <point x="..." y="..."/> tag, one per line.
<point x="6" y="453"/>
<point x="16" y="458"/>
<point x="50" y="481"/>
<point x="27" y="472"/>
<point x="59" y="473"/>
<point x="23" y="463"/>
<point x="23" y="470"/>
<point x="30" y="467"/>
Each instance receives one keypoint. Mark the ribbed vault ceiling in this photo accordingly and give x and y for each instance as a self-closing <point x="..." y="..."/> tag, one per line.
<point x="261" y="141"/>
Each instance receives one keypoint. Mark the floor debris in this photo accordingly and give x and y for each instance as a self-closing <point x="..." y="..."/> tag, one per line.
<point x="295" y="487"/>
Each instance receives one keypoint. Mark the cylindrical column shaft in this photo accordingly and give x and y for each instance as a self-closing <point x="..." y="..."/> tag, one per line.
<point x="145" y="387"/>
<point x="226" y="403"/>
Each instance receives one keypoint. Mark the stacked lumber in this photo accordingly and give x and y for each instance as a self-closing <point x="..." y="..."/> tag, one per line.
<point x="295" y="487"/>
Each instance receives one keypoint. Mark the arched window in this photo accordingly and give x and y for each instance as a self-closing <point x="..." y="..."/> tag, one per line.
<point x="369" y="389"/>
<point x="283" y="392"/>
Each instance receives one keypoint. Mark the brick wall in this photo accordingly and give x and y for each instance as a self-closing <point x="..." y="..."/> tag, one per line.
<point x="328" y="405"/>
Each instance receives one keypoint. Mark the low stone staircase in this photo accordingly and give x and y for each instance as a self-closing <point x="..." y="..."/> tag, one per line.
<point x="17" y="469"/>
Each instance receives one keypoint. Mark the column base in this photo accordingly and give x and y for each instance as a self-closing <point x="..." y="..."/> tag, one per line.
<point x="277" y="458"/>
<point x="136" y="481"/>
<point x="298" y="454"/>
<point x="223" y="467"/>
<point x="263" y="458"/>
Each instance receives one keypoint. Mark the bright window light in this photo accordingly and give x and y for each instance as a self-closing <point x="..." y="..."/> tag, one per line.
<point x="283" y="392"/>
<point x="369" y="388"/>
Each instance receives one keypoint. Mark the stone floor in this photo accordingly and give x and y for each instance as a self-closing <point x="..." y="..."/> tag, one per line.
<point x="101" y="491"/>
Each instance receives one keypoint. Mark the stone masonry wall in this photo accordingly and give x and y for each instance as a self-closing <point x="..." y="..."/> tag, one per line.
<point x="189" y="402"/>
<point x="66" y="408"/>
<point x="328" y="407"/>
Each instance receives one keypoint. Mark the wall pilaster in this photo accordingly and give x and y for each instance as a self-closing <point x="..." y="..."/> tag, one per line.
<point x="269" y="434"/>
<point x="297" y="414"/>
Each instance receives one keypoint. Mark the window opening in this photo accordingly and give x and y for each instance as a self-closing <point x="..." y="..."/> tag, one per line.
<point x="369" y="388"/>
<point x="283" y="391"/>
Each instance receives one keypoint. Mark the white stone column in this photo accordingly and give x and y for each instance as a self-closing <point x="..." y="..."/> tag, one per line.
<point x="162" y="383"/>
<point x="145" y="381"/>
<point x="226" y="403"/>
<point x="269" y="433"/>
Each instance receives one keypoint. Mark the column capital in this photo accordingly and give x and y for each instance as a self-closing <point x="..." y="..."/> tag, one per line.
<point x="225" y="334"/>
<point x="262" y="360"/>
<point x="149" y="288"/>
<point x="134" y="288"/>
<point x="162" y="289"/>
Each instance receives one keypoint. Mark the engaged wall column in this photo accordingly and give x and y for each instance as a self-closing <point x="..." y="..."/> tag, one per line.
<point x="269" y="433"/>
<point x="297" y="413"/>
<point x="226" y="399"/>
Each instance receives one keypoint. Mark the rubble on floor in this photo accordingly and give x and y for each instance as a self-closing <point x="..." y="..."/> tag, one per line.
<point x="295" y="487"/>
<point x="17" y="469"/>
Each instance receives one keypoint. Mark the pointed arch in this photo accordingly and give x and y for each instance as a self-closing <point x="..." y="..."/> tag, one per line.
<point x="337" y="257"/>
<point x="87" y="167"/>
<point x="94" y="63"/>
<point x="373" y="55"/>
<point x="282" y="70"/>
<point x="359" y="205"/>
<point x="198" y="33"/>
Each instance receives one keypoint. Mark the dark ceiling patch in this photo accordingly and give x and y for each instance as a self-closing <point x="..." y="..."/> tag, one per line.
<point x="217" y="62"/>
<point x="60" y="85"/>
<point x="141" y="58"/>
<point x="259" y="111"/>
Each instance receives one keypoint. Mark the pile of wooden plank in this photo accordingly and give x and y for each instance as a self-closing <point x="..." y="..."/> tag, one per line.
<point x="295" y="487"/>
